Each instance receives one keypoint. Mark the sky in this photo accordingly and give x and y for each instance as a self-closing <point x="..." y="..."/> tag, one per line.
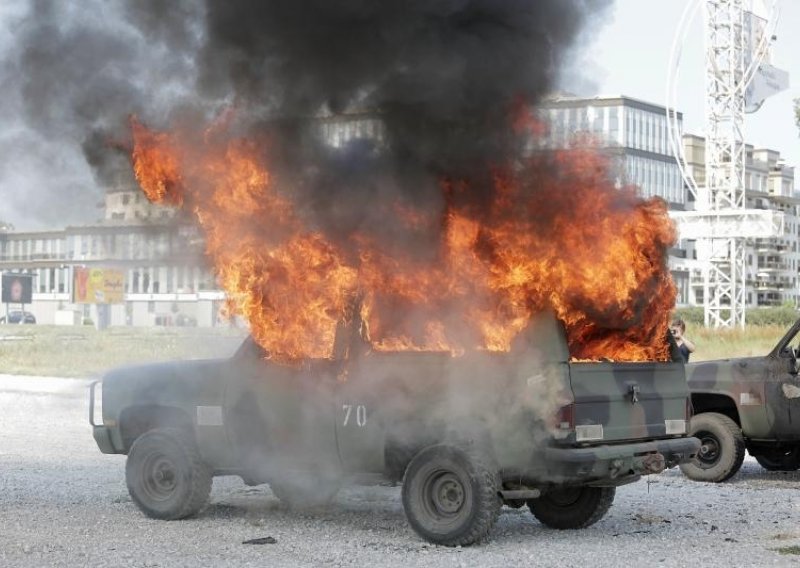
<point x="631" y="53"/>
<point x="45" y="182"/>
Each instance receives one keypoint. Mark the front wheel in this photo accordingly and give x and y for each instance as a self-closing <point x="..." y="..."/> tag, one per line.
<point x="780" y="460"/>
<point x="165" y="475"/>
<point x="721" y="451"/>
<point x="451" y="495"/>
<point x="572" y="507"/>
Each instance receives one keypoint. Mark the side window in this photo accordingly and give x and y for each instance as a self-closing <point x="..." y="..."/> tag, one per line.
<point x="795" y="344"/>
<point x="792" y="348"/>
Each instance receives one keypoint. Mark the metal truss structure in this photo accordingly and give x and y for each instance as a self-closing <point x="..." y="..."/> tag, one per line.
<point x="728" y="224"/>
<point x="724" y="277"/>
<point x="722" y="223"/>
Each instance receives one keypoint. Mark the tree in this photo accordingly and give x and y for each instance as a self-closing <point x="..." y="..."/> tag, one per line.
<point x="797" y="113"/>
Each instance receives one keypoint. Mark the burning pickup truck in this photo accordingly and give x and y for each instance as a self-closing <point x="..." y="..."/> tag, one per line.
<point x="465" y="435"/>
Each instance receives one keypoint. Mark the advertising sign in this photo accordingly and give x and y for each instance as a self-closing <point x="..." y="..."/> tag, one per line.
<point x="98" y="286"/>
<point x="767" y="80"/>
<point x="17" y="288"/>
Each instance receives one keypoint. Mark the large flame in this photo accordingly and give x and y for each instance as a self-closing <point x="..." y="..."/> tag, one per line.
<point x="557" y="235"/>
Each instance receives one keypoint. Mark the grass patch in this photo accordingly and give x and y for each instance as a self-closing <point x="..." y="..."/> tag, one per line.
<point x="788" y="550"/>
<point x="84" y="351"/>
<point x="728" y="343"/>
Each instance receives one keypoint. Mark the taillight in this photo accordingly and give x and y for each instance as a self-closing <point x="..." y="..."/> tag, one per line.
<point x="565" y="417"/>
<point x="689" y="410"/>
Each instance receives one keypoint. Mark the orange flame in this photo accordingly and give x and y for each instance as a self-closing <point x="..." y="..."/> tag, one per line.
<point x="558" y="235"/>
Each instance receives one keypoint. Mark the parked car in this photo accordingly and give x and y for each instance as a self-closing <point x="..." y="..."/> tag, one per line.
<point x="183" y="320"/>
<point x="18" y="316"/>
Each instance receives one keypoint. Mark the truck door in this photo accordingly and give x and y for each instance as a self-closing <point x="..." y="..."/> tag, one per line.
<point x="360" y="418"/>
<point x="782" y="389"/>
<point x="279" y="418"/>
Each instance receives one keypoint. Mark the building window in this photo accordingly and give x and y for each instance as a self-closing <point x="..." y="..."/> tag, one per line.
<point x="613" y="125"/>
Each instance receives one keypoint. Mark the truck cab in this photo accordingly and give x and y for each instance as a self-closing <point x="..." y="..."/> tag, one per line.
<point x="748" y="403"/>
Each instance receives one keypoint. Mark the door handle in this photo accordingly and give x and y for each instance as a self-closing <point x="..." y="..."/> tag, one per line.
<point x="633" y="391"/>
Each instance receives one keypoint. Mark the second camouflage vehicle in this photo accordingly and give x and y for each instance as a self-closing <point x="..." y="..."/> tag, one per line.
<point x="750" y="403"/>
<point x="465" y="435"/>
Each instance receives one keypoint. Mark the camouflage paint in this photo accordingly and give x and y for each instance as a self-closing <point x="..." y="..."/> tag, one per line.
<point x="758" y="391"/>
<point x="371" y="414"/>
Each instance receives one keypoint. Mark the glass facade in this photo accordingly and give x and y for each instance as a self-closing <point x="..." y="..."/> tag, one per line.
<point x="635" y="130"/>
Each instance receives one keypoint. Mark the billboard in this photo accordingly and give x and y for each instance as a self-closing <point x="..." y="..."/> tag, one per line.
<point x="17" y="288"/>
<point x="98" y="286"/>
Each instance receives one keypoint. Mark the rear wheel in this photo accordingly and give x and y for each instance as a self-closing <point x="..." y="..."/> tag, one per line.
<point x="165" y="475"/>
<point x="786" y="459"/>
<point x="451" y="496"/>
<point x="572" y="507"/>
<point x="721" y="448"/>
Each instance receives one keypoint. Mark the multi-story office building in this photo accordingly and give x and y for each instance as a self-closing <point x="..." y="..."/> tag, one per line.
<point x="165" y="276"/>
<point x="772" y="264"/>
<point x="166" y="279"/>
<point x="634" y="134"/>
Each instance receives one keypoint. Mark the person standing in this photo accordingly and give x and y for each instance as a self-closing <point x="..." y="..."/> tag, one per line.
<point x="685" y="345"/>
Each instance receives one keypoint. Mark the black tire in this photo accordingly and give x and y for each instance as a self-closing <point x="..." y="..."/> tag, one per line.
<point x="572" y="507"/>
<point x="165" y="475"/>
<point x="451" y="496"/>
<point x="721" y="451"/>
<point x="305" y="491"/>
<point x="787" y="459"/>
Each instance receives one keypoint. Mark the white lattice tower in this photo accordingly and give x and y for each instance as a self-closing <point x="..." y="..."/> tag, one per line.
<point x="724" y="277"/>
<point x="738" y="35"/>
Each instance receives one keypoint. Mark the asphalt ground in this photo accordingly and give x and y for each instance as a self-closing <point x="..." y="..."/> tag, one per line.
<point x="63" y="503"/>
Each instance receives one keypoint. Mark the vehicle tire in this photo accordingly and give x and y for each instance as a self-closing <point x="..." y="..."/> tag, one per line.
<point x="787" y="459"/>
<point x="572" y="507"/>
<point x="451" y="496"/>
<point x="165" y="475"/>
<point x="721" y="448"/>
<point x="305" y="491"/>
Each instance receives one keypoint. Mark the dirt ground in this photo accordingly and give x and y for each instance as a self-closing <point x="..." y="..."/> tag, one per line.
<point x="63" y="503"/>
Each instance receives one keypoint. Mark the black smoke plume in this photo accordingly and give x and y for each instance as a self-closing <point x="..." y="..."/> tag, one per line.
<point x="444" y="76"/>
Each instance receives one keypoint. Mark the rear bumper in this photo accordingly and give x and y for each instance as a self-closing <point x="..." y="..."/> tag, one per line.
<point x="613" y="463"/>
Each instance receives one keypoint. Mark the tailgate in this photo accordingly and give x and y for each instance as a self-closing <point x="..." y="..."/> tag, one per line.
<point x="630" y="400"/>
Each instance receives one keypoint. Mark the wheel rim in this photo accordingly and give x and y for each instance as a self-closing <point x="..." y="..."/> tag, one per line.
<point x="709" y="452"/>
<point x="444" y="495"/>
<point x="159" y="477"/>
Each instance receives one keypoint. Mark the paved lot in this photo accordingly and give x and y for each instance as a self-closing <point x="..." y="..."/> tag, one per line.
<point x="62" y="503"/>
